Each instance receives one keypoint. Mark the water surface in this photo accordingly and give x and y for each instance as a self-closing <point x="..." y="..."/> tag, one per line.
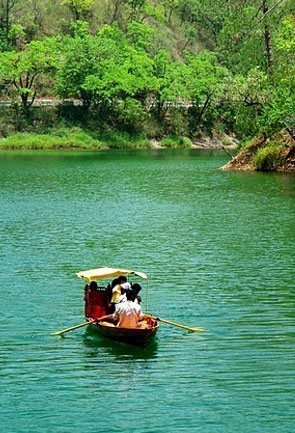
<point x="219" y="248"/>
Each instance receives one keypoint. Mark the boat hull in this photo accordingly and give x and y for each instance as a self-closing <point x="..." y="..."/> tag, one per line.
<point x="135" y="336"/>
<point x="97" y="305"/>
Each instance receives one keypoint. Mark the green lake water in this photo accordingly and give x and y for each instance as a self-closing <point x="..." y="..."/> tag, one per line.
<point x="219" y="248"/>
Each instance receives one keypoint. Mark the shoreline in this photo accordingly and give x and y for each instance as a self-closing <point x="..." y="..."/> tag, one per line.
<point x="82" y="140"/>
<point x="273" y="154"/>
<point x="266" y="154"/>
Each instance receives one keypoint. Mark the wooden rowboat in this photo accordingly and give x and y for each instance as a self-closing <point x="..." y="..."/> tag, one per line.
<point x="98" y="315"/>
<point x="96" y="306"/>
<point x="140" y="336"/>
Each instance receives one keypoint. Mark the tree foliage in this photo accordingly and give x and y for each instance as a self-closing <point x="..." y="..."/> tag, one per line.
<point x="23" y="69"/>
<point x="125" y="60"/>
<point x="279" y="111"/>
<point x="81" y="9"/>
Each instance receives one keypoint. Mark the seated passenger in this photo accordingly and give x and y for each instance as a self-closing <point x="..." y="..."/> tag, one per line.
<point x="118" y="292"/>
<point x="128" y="313"/>
<point x="124" y="283"/>
<point x="136" y="288"/>
<point x="114" y="282"/>
<point x="108" y="292"/>
<point x="93" y="285"/>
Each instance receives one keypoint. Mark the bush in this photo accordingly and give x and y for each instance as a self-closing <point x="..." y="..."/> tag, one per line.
<point x="64" y="139"/>
<point x="122" y="140"/>
<point x="267" y="158"/>
<point x="185" y="142"/>
<point x="174" y="142"/>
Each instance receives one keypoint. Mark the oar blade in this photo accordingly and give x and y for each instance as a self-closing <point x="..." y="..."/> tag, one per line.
<point x="197" y="329"/>
<point x="57" y="333"/>
<point x="179" y="325"/>
<point x="63" y="331"/>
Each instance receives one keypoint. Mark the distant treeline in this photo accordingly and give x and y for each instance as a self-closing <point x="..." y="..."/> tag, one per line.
<point x="157" y="68"/>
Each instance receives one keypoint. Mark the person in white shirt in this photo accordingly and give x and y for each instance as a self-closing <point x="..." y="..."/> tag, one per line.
<point x="128" y="313"/>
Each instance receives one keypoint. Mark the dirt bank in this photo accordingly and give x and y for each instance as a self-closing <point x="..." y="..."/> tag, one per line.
<point x="276" y="153"/>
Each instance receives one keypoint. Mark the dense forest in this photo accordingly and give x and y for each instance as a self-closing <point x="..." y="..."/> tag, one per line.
<point x="135" y="70"/>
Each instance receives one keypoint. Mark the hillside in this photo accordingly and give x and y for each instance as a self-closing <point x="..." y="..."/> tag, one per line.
<point x="174" y="70"/>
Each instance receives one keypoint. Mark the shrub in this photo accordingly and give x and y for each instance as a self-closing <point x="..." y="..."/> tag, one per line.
<point x="122" y="140"/>
<point x="267" y="158"/>
<point x="174" y="141"/>
<point x="226" y="141"/>
<point x="185" y="142"/>
<point x="57" y="140"/>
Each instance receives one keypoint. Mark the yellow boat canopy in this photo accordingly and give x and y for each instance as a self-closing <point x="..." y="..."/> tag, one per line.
<point x="102" y="273"/>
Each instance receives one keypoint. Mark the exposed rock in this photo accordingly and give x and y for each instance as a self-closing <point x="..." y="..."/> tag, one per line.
<point x="227" y="142"/>
<point x="155" y="144"/>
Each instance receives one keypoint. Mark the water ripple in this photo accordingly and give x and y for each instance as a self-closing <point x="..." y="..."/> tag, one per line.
<point x="219" y="248"/>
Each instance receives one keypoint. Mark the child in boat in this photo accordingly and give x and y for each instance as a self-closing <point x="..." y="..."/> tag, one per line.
<point x="128" y="313"/>
<point x="118" y="291"/>
<point x="118" y="287"/>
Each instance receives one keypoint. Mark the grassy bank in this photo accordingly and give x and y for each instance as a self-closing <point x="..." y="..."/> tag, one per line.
<point x="76" y="138"/>
<point x="276" y="153"/>
<point x="71" y="139"/>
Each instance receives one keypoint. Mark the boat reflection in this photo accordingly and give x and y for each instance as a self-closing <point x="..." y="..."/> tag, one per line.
<point x="120" y="351"/>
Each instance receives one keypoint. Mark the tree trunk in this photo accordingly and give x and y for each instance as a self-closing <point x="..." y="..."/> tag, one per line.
<point x="204" y="108"/>
<point x="116" y="10"/>
<point x="267" y="37"/>
<point x="7" y="7"/>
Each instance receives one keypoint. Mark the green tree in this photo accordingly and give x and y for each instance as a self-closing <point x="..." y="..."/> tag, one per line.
<point x="119" y="6"/>
<point x="141" y="36"/>
<point x="81" y="9"/>
<point x="245" y="39"/>
<point x="167" y="87"/>
<point x="279" y="111"/>
<point x="262" y="102"/>
<point x="240" y="43"/>
<point x="79" y="58"/>
<point x="187" y="92"/>
<point x="104" y="70"/>
<point x="6" y="8"/>
<point x="204" y="82"/>
<point x="171" y="7"/>
<point x="247" y="95"/>
<point x="23" y="69"/>
<point x="125" y="70"/>
<point x="205" y="17"/>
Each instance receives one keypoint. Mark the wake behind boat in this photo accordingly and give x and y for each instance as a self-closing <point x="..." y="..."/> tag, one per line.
<point x="98" y="308"/>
